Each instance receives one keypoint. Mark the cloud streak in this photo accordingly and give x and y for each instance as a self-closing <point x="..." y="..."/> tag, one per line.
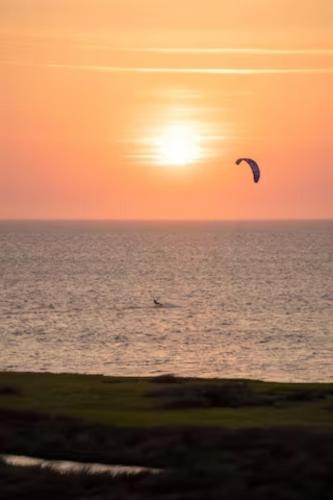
<point x="192" y="71"/>
<point x="175" y="70"/>
<point x="231" y="51"/>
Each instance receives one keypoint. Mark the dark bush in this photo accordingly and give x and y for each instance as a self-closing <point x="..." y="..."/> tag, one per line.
<point x="308" y="395"/>
<point x="205" y="395"/>
<point x="167" y="378"/>
<point x="232" y="394"/>
<point x="9" y="390"/>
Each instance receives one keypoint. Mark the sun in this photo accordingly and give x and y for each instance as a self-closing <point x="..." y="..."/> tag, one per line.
<point x="178" y="145"/>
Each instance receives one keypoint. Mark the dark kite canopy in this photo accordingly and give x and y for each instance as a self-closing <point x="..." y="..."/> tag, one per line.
<point x="254" y="167"/>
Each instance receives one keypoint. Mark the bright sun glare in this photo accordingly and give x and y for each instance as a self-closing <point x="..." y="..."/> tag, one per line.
<point x="178" y="145"/>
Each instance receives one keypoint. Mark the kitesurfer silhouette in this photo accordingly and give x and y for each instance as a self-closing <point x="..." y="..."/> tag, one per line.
<point x="254" y="167"/>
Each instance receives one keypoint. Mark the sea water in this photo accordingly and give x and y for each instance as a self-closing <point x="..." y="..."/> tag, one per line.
<point x="241" y="299"/>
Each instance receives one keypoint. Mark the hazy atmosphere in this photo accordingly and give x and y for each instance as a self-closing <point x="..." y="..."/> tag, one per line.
<point x="96" y="96"/>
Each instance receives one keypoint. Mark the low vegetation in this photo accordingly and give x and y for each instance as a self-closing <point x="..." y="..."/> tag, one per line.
<point x="213" y="439"/>
<point x="280" y="464"/>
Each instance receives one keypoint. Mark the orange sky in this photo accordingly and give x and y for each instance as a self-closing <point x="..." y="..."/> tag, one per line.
<point x="89" y="87"/>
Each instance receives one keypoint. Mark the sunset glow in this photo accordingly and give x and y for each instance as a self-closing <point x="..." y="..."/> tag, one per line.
<point x="95" y="94"/>
<point x="178" y="145"/>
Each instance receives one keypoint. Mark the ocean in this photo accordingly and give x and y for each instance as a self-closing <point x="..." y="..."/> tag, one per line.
<point x="241" y="299"/>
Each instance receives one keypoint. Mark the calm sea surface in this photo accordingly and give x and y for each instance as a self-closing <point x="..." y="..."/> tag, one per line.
<point x="241" y="299"/>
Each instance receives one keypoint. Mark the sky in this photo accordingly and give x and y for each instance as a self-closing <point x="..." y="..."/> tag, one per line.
<point x="138" y="109"/>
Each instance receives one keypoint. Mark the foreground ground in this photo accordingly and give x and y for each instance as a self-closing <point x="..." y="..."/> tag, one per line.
<point x="214" y="438"/>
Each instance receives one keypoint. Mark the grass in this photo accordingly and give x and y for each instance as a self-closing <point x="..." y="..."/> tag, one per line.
<point x="145" y="402"/>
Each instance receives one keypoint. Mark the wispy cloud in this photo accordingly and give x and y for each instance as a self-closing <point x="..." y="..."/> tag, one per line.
<point x="232" y="51"/>
<point x="175" y="70"/>
<point x="105" y="46"/>
<point x="250" y="51"/>
<point x="192" y="71"/>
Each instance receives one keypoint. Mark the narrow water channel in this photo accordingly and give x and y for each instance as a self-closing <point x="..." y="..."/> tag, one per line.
<point x="65" y="466"/>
